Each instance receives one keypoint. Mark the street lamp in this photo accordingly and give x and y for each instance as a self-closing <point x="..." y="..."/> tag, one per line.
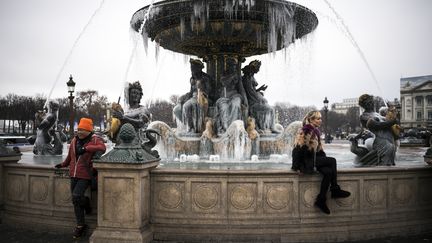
<point x="71" y="90"/>
<point x="326" y="136"/>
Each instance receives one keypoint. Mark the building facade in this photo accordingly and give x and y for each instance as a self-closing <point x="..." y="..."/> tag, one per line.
<point x="416" y="101"/>
<point x="342" y="108"/>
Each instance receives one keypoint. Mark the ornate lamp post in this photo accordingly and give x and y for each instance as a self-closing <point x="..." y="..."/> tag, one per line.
<point x="71" y="90"/>
<point x="326" y="136"/>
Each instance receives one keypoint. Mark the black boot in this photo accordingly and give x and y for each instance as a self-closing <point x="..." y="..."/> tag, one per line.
<point x="80" y="230"/>
<point x="87" y="205"/>
<point x="337" y="192"/>
<point x="321" y="204"/>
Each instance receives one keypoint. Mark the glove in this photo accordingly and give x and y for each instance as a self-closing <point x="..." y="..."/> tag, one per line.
<point x="81" y="150"/>
<point x="58" y="166"/>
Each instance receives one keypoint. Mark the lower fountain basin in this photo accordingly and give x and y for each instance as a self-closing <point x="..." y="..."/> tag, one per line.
<point x="248" y="201"/>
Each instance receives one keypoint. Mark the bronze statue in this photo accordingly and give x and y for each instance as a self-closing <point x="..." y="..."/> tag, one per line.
<point x="138" y="116"/>
<point x="258" y="105"/>
<point x="232" y="104"/>
<point x="193" y="106"/>
<point x="49" y="138"/>
<point x="384" y="143"/>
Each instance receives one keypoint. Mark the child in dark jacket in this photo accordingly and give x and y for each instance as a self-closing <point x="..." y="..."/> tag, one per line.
<point x="308" y="154"/>
<point x="81" y="150"/>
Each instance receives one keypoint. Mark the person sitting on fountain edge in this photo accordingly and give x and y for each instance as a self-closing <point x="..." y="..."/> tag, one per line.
<point x="308" y="153"/>
<point x="79" y="159"/>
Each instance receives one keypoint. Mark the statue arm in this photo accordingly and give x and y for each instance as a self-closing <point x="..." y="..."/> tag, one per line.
<point x="377" y="125"/>
<point x="136" y="122"/>
<point x="47" y="122"/>
<point x="262" y="88"/>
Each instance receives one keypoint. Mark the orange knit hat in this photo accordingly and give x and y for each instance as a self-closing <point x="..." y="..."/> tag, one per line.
<point x="86" y="124"/>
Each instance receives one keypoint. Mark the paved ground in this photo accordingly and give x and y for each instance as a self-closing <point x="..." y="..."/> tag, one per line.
<point x="14" y="234"/>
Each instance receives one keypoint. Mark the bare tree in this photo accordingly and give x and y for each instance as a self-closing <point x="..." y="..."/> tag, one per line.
<point x="90" y="104"/>
<point x="161" y="110"/>
<point x="288" y="113"/>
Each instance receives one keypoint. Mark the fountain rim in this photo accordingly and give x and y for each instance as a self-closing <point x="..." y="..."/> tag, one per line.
<point x="163" y="2"/>
<point x="305" y="27"/>
<point x="166" y="2"/>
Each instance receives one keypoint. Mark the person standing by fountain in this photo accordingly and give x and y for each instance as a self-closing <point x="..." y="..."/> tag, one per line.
<point x="258" y="105"/>
<point x="384" y="142"/>
<point x="233" y="101"/>
<point x="79" y="159"/>
<point x="308" y="153"/>
<point x="193" y="107"/>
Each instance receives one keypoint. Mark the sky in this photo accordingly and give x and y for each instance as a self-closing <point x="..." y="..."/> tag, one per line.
<point x="42" y="42"/>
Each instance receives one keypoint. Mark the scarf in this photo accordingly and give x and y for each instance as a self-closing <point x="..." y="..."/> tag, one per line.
<point x="309" y="129"/>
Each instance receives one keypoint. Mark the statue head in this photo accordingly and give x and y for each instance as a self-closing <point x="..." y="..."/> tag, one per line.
<point x="134" y="94"/>
<point x="366" y="101"/>
<point x="53" y="106"/>
<point x="230" y="64"/>
<point x="196" y="63"/>
<point x="196" y="66"/>
<point x="383" y="111"/>
<point x="253" y="67"/>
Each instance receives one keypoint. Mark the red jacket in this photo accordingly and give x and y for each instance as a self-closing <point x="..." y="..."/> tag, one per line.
<point x="78" y="169"/>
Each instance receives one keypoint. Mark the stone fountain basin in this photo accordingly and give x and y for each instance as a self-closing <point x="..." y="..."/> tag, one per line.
<point x="253" y="205"/>
<point x="212" y="27"/>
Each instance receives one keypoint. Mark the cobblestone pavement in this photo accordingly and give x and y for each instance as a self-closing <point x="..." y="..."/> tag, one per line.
<point x="15" y="234"/>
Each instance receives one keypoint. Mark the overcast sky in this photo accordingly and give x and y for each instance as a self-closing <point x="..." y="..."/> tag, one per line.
<point x="36" y="37"/>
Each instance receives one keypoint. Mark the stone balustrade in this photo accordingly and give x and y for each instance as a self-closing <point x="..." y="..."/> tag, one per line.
<point x="277" y="206"/>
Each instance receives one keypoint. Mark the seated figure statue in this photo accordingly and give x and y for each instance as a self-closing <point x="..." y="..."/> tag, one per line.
<point x="193" y="106"/>
<point x="135" y="114"/>
<point x="233" y="100"/>
<point x="384" y="143"/>
<point x="258" y="105"/>
<point x="49" y="139"/>
<point x="138" y="116"/>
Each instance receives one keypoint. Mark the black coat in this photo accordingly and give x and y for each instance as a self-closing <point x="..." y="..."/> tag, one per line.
<point x="304" y="159"/>
<point x="307" y="147"/>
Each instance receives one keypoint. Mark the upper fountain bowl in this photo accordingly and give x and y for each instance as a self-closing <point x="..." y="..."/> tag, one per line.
<point x="213" y="27"/>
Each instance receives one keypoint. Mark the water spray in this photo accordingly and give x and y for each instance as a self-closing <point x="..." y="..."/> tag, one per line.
<point x="354" y="43"/>
<point x="68" y="57"/>
<point x="135" y="46"/>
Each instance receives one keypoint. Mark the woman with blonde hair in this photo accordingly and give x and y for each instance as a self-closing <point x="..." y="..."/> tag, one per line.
<point x="308" y="154"/>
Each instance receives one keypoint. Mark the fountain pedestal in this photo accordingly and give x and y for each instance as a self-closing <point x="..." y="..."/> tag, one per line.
<point x="124" y="191"/>
<point x="123" y="203"/>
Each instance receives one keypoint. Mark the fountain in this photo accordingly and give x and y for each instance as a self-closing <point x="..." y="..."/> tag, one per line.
<point x="223" y="34"/>
<point x="229" y="199"/>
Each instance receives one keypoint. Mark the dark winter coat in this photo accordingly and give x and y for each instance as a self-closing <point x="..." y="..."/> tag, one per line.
<point x="307" y="147"/>
<point x="81" y="165"/>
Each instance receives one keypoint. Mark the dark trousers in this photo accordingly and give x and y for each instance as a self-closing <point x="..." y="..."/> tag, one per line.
<point x="327" y="167"/>
<point x="78" y="188"/>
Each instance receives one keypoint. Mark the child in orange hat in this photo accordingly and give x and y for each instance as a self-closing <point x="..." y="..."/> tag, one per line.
<point x="79" y="159"/>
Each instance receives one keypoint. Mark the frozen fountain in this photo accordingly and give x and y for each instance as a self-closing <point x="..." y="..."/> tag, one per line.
<point x="223" y="34"/>
<point x="226" y="200"/>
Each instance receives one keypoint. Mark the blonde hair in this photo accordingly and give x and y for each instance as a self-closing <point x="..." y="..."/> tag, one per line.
<point x="311" y="115"/>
